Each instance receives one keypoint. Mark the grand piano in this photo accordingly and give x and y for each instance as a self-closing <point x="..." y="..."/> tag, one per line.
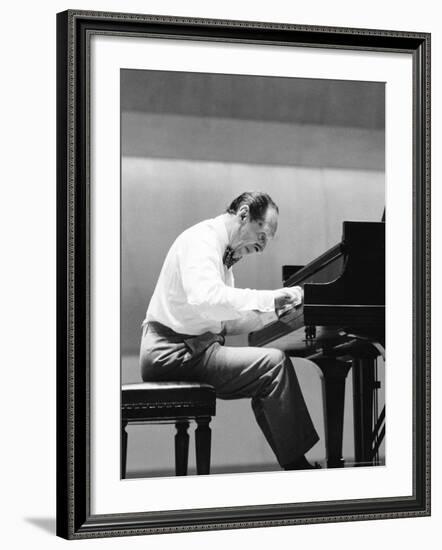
<point x="341" y="327"/>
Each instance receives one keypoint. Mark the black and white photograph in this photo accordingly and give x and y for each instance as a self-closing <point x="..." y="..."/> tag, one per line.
<point x="253" y="215"/>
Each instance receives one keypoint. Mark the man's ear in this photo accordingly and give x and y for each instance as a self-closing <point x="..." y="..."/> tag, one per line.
<point x="244" y="212"/>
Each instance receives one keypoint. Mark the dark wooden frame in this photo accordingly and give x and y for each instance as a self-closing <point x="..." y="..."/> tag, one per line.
<point x="74" y="519"/>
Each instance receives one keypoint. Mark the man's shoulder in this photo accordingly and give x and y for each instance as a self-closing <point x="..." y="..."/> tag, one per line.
<point x="205" y="229"/>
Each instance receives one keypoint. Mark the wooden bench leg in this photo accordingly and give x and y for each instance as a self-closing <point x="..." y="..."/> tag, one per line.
<point x="181" y="447"/>
<point x="123" y="449"/>
<point x="203" y="438"/>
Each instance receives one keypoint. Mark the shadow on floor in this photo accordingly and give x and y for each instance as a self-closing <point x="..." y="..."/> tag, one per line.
<point x="47" y="524"/>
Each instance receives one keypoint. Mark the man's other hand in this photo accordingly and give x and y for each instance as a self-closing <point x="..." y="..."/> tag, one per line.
<point x="287" y="298"/>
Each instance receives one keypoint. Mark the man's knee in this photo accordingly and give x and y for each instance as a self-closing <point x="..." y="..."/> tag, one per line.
<point x="274" y="372"/>
<point x="275" y="357"/>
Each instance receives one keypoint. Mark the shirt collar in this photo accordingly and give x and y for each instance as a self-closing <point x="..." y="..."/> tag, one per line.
<point x="221" y="231"/>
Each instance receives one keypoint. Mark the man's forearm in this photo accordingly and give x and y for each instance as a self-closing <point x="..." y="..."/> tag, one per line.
<point x="249" y="322"/>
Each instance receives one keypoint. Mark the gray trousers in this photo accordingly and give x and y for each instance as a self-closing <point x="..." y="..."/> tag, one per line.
<point x="266" y="375"/>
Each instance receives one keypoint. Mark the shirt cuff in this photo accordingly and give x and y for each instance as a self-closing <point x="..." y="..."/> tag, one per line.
<point x="265" y="300"/>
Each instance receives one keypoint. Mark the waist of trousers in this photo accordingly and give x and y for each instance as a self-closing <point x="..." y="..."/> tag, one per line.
<point x="197" y="343"/>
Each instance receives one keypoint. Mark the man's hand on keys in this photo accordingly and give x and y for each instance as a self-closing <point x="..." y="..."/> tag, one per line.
<point x="287" y="298"/>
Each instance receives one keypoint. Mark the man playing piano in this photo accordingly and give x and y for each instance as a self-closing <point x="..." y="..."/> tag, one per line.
<point x="195" y="304"/>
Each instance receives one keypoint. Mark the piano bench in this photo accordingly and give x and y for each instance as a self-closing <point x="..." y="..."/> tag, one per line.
<point x="171" y="403"/>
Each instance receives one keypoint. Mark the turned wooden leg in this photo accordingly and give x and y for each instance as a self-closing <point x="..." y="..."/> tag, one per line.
<point x="181" y="447"/>
<point x="123" y="449"/>
<point x="363" y="387"/>
<point x="335" y="373"/>
<point x="203" y="438"/>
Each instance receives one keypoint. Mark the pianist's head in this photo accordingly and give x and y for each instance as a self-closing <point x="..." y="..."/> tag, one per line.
<point x="252" y="221"/>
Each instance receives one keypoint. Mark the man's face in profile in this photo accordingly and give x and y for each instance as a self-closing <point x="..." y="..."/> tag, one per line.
<point x="253" y="236"/>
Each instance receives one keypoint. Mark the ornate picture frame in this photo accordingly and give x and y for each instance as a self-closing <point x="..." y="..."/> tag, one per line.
<point x="76" y="517"/>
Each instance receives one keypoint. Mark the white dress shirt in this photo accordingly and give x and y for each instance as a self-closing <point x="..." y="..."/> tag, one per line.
<point x="195" y="292"/>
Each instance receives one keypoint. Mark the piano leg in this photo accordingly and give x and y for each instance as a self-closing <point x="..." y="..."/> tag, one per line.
<point x="363" y="386"/>
<point x="334" y="375"/>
